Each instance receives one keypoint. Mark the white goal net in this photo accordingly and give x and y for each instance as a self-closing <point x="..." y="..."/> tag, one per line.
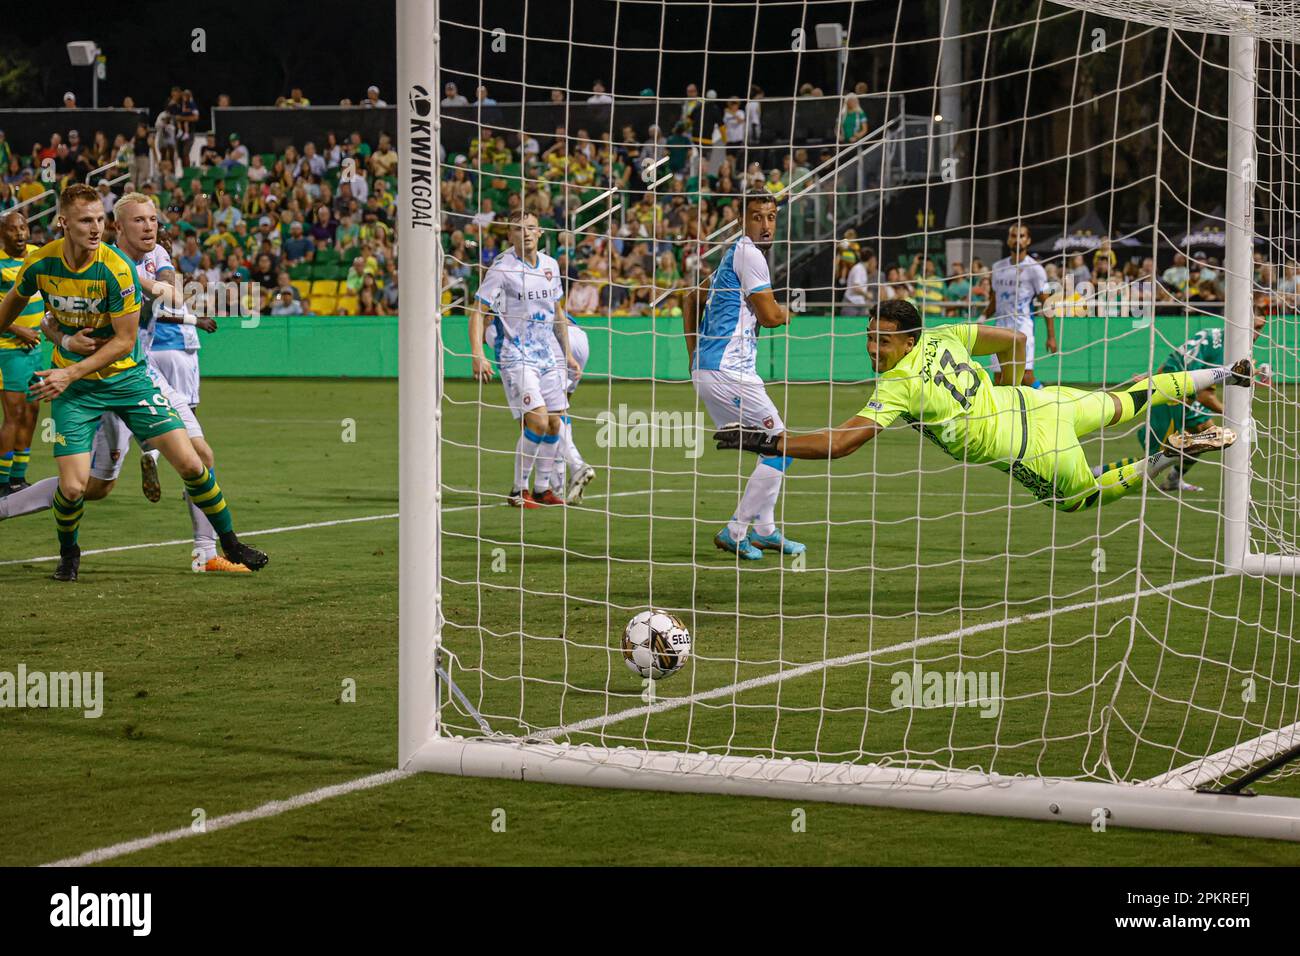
<point x="943" y="638"/>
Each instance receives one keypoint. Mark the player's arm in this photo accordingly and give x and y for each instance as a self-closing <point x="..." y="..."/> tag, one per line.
<point x="691" y="323"/>
<point x="477" y="323"/>
<point x="167" y="289"/>
<point x="11" y="306"/>
<point x="827" y="443"/>
<point x="55" y="380"/>
<point x="562" y="333"/>
<point x="1049" y="320"/>
<point x="1007" y="344"/>
<point x="991" y="306"/>
<point x="1209" y="397"/>
<point x="766" y="310"/>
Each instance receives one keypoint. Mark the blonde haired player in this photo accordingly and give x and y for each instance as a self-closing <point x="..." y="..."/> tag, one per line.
<point x="523" y="288"/>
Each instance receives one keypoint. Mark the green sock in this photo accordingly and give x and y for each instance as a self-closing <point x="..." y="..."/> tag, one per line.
<point x="19" y="471"/>
<point x="6" y="467"/>
<point x="206" y="495"/>
<point x="67" y="518"/>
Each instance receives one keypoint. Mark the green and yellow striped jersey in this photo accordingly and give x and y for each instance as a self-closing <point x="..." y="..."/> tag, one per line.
<point x="33" y="311"/>
<point x="90" y="298"/>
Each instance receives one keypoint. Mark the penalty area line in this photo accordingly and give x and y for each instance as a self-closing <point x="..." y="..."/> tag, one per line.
<point x="271" y="809"/>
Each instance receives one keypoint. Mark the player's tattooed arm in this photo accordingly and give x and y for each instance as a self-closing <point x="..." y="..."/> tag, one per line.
<point x="1008" y="345"/>
<point x="828" y="443"/>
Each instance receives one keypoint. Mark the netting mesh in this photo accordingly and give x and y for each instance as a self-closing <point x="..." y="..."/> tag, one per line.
<point x="941" y="616"/>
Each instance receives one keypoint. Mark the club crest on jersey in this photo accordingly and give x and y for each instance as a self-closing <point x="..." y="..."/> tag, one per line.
<point x="768" y="422"/>
<point x="549" y="274"/>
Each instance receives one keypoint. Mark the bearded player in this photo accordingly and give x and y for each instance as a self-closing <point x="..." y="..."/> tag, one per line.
<point x="722" y="350"/>
<point x="928" y="379"/>
<point x="88" y="284"/>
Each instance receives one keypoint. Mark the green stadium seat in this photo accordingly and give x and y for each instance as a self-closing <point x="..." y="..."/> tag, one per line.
<point x="216" y="172"/>
<point x="301" y="272"/>
<point x="319" y="271"/>
<point x="327" y="256"/>
<point x="348" y="254"/>
<point x="268" y="159"/>
<point x="341" y="271"/>
<point x="193" y="172"/>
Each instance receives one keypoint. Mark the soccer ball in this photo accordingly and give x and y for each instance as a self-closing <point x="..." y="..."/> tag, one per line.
<point x="656" y="644"/>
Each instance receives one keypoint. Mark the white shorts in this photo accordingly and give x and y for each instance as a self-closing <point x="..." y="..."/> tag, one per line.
<point x="528" y="387"/>
<point x="1020" y="324"/>
<point x="729" y="398"/>
<point x="113" y="437"/>
<point x="180" y="369"/>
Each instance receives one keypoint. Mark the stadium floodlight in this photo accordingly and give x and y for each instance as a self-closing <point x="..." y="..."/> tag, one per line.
<point x="833" y="36"/>
<point x="88" y="53"/>
<point x="1141" y="658"/>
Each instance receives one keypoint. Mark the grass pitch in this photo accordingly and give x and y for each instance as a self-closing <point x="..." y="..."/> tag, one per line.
<point x="223" y="693"/>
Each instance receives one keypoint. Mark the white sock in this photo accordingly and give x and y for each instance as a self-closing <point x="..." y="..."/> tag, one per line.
<point x="546" y="455"/>
<point x="35" y="497"/>
<point x="568" y="449"/>
<point x="758" y="503"/>
<point x="1158" y="464"/>
<point x="525" y="454"/>
<point x="205" y="536"/>
<point x="152" y="453"/>
<point x="1204" y="378"/>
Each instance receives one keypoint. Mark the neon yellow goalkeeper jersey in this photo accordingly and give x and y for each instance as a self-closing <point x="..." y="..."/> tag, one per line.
<point x="941" y="390"/>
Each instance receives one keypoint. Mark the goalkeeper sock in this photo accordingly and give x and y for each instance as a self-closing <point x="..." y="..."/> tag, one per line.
<point x="35" y="497"/>
<point x="525" y="454"/>
<point x="1099" y="470"/>
<point x="1122" y="481"/>
<point x="1167" y="388"/>
<point x="758" y="503"/>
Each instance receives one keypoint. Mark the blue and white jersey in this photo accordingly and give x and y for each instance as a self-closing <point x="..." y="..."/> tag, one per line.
<point x="727" y="335"/>
<point x="1015" y="287"/>
<point x="524" y="299"/>
<point x="162" y="336"/>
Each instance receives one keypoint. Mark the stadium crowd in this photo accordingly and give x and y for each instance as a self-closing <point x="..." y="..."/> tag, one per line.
<point x="314" y="226"/>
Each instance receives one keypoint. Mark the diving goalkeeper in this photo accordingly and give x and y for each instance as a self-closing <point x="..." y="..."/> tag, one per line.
<point x="928" y="379"/>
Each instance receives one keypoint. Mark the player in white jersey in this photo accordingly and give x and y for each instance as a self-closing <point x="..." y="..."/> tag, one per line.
<point x="136" y="218"/>
<point x="1019" y="282"/>
<point x="722" y="344"/>
<point x="567" y="453"/>
<point x="523" y="288"/>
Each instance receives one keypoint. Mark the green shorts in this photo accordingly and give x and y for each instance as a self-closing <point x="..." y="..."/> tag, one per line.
<point x="130" y="395"/>
<point x="17" y="367"/>
<point x="1050" y="462"/>
<point x="1168" y="419"/>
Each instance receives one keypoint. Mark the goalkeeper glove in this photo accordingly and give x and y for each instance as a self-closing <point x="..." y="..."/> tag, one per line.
<point x="736" y="435"/>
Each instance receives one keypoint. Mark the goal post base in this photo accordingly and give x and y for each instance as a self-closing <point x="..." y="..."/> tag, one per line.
<point x="1030" y="798"/>
<point x="1266" y="565"/>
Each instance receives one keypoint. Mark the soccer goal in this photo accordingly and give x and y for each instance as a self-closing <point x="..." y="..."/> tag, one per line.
<point x="945" y="641"/>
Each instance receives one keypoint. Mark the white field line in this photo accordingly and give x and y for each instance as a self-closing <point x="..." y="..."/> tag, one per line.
<point x="271" y="809"/>
<point x="816" y="667"/>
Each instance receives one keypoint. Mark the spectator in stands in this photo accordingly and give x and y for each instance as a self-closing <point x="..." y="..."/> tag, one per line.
<point x="263" y="273"/>
<point x="187" y="115"/>
<point x="1177" y="276"/>
<point x="296" y="99"/>
<point x="187" y="263"/>
<point x="14" y="171"/>
<point x="69" y="100"/>
<point x="313" y="163"/>
<point x="227" y="215"/>
<point x="199" y="213"/>
<point x="481" y="97"/>
<point x="957" y="291"/>
<point x="236" y="153"/>
<point x="355" y="275"/>
<point x="734" y="123"/>
<point x="853" y="121"/>
<point x="285" y="303"/>
<point x="692" y="107"/>
<point x="859" y="292"/>
<point x="1079" y="270"/>
<point x="332" y="152"/>
<point x="297" y="248"/>
<point x="372" y="98"/>
<point x="368" y="304"/>
<point x="141" y="151"/>
<point x="383" y="161"/>
<point x="451" y="97"/>
<point x="598" y="95"/>
<point x="754" y="115"/>
<point x="8" y="197"/>
<point x="928" y="285"/>
<point x="557" y="96"/>
<point x="390" y="293"/>
<point x="234" y="271"/>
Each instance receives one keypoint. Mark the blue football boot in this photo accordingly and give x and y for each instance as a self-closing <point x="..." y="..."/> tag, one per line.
<point x="774" y="542"/>
<point x="724" y="542"/>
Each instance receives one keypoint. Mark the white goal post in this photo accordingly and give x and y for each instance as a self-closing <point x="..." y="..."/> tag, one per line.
<point x="558" y="753"/>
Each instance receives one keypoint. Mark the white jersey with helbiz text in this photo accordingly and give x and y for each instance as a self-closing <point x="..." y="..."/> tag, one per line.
<point x="156" y="335"/>
<point x="1016" y="286"/>
<point x="523" y="298"/>
<point x="726" y="339"/>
